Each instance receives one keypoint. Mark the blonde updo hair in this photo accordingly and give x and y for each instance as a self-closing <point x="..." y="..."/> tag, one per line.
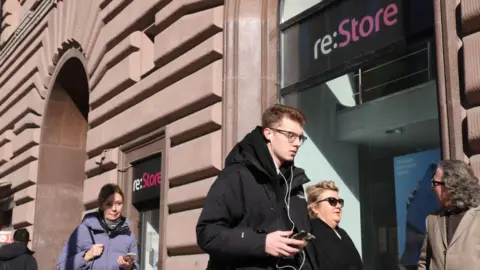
<point x="314" y="192"/>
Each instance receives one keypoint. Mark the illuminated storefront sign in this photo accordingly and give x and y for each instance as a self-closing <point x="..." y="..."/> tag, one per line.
<point x="338" y="34"/>
<point x="147" y="177"/>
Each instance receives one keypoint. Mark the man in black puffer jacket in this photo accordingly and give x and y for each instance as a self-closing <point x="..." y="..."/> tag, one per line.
<point x="258" y="201"/>
<point x="17" y="256"/>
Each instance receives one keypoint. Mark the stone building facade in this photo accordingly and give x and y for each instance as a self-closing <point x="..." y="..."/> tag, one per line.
<point x="88" y="88"/>
<point x="84" y="84"/>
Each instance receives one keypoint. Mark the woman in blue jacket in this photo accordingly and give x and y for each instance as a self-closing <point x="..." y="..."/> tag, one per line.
<point x="103" y="239"/>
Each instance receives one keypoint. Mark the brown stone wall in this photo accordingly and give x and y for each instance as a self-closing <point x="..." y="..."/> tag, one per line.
<point x="470" y="23"/>
<point x="150" y="64"/>
<point x="458" y="58"/>
<point x="202" y="70"/>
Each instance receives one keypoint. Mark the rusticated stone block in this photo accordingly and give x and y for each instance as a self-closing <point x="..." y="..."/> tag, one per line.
<point x="107" y="160"/>
<point x="192" y="262"/>
<point x="24" y="176"/>
<point x="30" y="120"/>
<point x="120" y="23"/>
<point x="475" y="163"/>
<point x="23" y="215"/>
<point x="196" y="124"/>
<point x="25" y="195"/>
<point x="189" y="196"/>
<point x="6" y="136"/>
<point x="470" y="10"/>
<point x="28" y="138"/>
<point x="32" y="102"/>
<point x="125" y="47"/>
<point x="206" y="161"/>
<point x="20" y="160"/>
<point x="473" y="127"/>
<point x="166" y="105"/>
<point x="186" y="33"/>
<point x="181" y="234"/>
<point x="472" y="68"/>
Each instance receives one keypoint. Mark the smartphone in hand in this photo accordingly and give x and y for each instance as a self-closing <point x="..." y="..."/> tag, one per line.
<point x="303" y="235"/>
<point x="130" y="256"/>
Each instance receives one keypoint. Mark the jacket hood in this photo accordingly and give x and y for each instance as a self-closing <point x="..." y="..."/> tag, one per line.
<point x="13" y="250"/>
<point x="252" y="151"/>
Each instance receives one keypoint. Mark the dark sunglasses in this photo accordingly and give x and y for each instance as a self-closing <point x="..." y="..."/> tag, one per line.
<point x="333" y="201"/>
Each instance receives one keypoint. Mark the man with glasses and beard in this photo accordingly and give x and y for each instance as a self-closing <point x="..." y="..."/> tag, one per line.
<point x="453" y="232"/>
<point x="257" y="202"/>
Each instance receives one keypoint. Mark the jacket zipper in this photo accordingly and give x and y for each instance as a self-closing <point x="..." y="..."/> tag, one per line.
<point x="108" y="253"/>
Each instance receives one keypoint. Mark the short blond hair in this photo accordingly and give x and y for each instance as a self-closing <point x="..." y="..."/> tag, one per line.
<point x="314" y="192"/>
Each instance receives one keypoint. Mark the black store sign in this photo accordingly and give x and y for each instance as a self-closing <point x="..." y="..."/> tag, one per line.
<point x="147" y="176"/>
<point x="339" y="33"/>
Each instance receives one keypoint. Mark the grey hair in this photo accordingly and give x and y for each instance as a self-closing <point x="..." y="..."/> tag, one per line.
<point x="461" y="183"/>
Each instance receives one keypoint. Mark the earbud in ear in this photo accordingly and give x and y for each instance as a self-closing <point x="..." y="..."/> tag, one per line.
<point x="267" y="137"/>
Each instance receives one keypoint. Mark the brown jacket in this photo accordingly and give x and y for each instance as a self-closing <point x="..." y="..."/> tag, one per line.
<point x="463" y="253"/>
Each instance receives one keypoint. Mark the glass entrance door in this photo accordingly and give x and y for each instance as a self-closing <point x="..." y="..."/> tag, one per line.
<point x="149" y="239"/>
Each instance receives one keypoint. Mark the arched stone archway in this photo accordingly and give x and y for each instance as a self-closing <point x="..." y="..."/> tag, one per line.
<point x="62" y="158"/>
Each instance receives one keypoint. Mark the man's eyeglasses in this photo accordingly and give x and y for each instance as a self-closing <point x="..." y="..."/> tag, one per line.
<point x="437" y="183"/>
<point x="291" y="136"/>
<point x="432" y="169"/>
<point x="333" y="201"/>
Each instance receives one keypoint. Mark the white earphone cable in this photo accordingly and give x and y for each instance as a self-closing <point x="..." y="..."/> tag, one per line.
<point x="287" y="205"/>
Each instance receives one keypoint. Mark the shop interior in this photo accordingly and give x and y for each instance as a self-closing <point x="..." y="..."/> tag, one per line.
<point x="374" y="131"/>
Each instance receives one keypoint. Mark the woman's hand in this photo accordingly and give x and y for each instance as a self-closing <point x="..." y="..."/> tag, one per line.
<point x="125" y="262"/>
<point x="94" y="252"/>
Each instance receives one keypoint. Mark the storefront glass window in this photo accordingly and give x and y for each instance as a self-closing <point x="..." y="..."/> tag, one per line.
<point x="149" y="232"/>
<point x="374" y="131"/>
<point x="290" y="8"/>
<point x="147" y="177"/>
<point x="363" y="73"/>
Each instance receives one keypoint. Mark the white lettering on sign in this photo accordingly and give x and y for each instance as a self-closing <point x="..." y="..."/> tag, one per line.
<point x="352" y="30"/>
<point x="148" y="180"/>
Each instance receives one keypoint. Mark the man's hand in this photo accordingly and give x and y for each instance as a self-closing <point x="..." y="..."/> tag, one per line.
<point x="277" y="244"/>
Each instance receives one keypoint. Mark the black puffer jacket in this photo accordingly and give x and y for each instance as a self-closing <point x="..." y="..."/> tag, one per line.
<point x="245" y="203"/>
<point x="17" y="256"/>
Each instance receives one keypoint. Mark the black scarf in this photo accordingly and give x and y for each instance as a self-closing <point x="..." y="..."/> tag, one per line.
<point x="111" y="226"/>
<point x="334" y="253"/>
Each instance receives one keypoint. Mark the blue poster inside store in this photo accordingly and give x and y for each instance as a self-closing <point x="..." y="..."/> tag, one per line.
<point x="414" y="201"/>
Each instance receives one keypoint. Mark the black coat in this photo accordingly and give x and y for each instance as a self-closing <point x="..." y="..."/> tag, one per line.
<point x="333" y="253"/>
<point x="245" y="203"/>
<point x="17" y="256"/>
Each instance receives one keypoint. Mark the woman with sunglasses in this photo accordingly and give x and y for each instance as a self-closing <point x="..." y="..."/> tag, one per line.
<point x="334" y="248"/>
